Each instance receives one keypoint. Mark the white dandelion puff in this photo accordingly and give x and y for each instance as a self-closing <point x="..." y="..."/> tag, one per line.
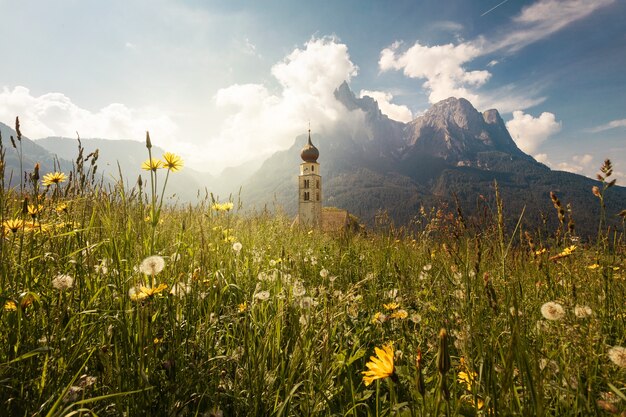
<point x="62" y="282"/>
<point x="617" y="355"/>
<point x="582" y="311"/>
<point x="552" y="311"/>
<point x="152" y="265"/>
<point x="262" y="295"/>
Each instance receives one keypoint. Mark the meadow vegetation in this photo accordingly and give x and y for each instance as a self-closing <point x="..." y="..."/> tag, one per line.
<point x="115" y="301"/>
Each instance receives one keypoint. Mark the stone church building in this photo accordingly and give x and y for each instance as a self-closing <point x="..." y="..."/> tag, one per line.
<point x="311" y="213"/>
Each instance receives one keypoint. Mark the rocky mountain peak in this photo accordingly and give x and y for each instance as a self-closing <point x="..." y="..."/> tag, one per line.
<point x="492" y="116"/>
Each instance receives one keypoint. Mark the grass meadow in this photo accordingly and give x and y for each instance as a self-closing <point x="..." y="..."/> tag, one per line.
<point x="118" y="302"/>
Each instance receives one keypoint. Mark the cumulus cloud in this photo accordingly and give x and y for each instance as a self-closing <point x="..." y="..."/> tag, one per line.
<point x="529" y="132"/>
<point x="614" y="124"/>
<point x="393" y="111"/>
<point x="442" y="66"/>
<point x="584" y="160"/>
<point x="543" y="158"/>
<point x="259" y="122"/>
<point x="54" y="114"/>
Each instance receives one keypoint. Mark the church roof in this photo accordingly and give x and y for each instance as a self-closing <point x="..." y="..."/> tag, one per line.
<point x="309" y="152"/>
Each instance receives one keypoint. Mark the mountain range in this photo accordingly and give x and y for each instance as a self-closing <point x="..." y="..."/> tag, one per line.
<point x="452" y="154"/>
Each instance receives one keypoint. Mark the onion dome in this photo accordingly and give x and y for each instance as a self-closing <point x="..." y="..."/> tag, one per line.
<point x="309" y="152"/>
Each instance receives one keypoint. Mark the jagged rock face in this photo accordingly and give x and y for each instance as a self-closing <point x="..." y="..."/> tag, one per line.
<point x="455" y="131"/>
<point x="452" y="130"/>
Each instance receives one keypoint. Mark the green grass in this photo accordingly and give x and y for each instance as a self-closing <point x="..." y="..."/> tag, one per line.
<point x="286" y="325"/>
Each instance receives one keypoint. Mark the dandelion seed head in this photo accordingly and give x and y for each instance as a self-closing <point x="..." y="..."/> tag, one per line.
<point x="617" y="355"/>
<point x="552" y="311"/>
<point x="237" y="247"/>
<point x="298" y="289"/>
<point x="582" y="311"/>
<point x="324" y="273"/>
<point x="152" y="265"/>
<point x="62" y="282"/>
<point x="262" y="295"/>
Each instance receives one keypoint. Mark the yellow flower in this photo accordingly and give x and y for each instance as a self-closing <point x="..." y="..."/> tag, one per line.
<point x="540" y="252"/>
<point x="467" y="378"/>
<point x="378" y="318"/>
<point x="53" y="178"/>
<point x="242" y="307"/>
<point x="10" y="305"/>
<point x="379" y="366"/>
<point x="62" y="208"/>
<point x="152" y="164"/>
<point x="13" y="225"/>
<point x="34" y="210"/>
<point x="566" y="252"/>
<point x="141" y="292"/>
<point x="400" y="314"/>
<point x="172" y="162"/>
<point x="391" y="306"/>
<point x="223" y="206"/>
<point x="593" y="266"/>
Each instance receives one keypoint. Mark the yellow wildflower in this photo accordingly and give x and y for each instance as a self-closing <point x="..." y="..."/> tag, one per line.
<point x="53" y="178"/>
<point x="34" y="210"/>
<point x="242" y="307"/>
<point x="566" y="252"/>
<point x="14" y="225"/>
<point x="62" y="208"/>
<point x="172" y="162"/>
<point x="152" y="164"/>
<point x="399" y="314"/>
<point x="10" y="305"/>
<point x="222" y="206"/>
<point x="391" y="306"/>
<point x="142" y="292"/>
<point x="593" y="266"/>
<point x="379" y="318"/>
<point x="380" y="366"/>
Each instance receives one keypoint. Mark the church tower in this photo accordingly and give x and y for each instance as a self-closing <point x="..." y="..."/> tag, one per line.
<point x="310" y="187"/>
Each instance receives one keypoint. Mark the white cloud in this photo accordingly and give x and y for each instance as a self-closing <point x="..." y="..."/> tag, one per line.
<point x="583" y="159"/>
<point x="441" y="65"/>
<point x="610" y="125"/>
<point x="541" y="19"/>
<point x="566" y="166"/>
<point x="529" y="132"/>
<point x="54" y="114"/>
<point x="259" y="122"/>
<point x="393" y="111"/>
<point x="543" y="158"/>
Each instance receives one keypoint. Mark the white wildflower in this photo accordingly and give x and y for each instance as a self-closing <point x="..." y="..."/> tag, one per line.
<point x="306" y="303"/>
<point x="617" y="355"/>
<point x="298" y="289"/>
<point x="262" y="295"/>
<point x="582" y="311"/>
<point x="324" y="273"/>
<point x="237" y="247"/>
<point x="552" y="311"/>
<point x="152" y="265"/>
<point x="427" y="267"/>
<point x="62" y="282"/>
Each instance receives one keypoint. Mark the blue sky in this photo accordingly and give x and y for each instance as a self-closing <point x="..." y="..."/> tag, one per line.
<point x="225" y="82"/>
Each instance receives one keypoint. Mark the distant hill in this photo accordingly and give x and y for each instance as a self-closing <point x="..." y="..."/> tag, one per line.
<point x="32" y="153"/>
<point x="450" y="150"/>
